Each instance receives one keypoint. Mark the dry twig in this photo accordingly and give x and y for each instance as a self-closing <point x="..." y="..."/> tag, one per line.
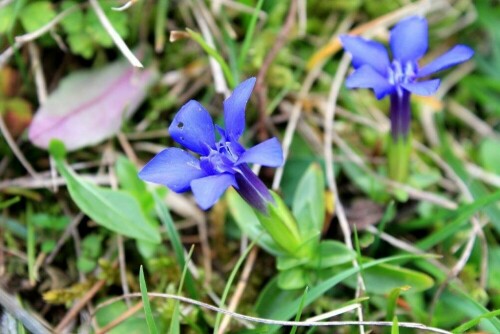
<point x="260" y="90"/>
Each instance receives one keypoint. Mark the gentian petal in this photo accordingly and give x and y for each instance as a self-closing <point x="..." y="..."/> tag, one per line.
<point x="267" y="153"/>
<point x="174" y="168"/>
<point x="424" y="88"/>
<point x="207" y="190"/>
<point x="454" y="56"/>
<point x="234" y="109"/>
<point x="365" y="52"/>
<point x="367" y="77"/>
<point x="193" y="128"/>
<point x="409" y="39"/>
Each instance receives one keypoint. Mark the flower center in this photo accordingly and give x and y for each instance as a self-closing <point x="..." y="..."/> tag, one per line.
<point x="222" y="159"/>
<point x="226" y="148"/>
<point x="402" y="72"/>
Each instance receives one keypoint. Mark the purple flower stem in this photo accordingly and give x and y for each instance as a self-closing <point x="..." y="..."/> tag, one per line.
<point x="400" y="144"/>
<point x="252" y="190"/>
<point x="400" y="114"/>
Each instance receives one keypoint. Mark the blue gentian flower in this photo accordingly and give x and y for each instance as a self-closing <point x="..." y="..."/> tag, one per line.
<point x="222" y="163"/>
<point x="402" y="76"/>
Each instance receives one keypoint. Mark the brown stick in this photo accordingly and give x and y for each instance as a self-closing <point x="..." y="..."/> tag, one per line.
<point x="240" y="288"/>
<point x="260" y="90"/>
<point x="73" y="312"/>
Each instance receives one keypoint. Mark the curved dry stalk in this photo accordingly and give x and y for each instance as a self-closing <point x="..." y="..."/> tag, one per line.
<point x="15" y="149"/>
<point x="330" y="175"/>
<point x="240" y="288"/>
<point x="277" y="322"/>
<point x="114" y="35"/>
<point x="297" y="107"/>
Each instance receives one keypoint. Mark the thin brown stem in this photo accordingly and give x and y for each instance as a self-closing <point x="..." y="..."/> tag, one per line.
<point x="260" y="89"/>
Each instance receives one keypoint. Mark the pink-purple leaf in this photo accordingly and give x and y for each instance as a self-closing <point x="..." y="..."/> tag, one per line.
<point x="89" y="106"/>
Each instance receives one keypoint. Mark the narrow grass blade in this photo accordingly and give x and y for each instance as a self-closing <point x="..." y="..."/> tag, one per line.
<point x="392" y="300"/>
<point x="175" y="323"/>
<point x="299" y="311"/>
<point x="231" y="48"/>
<point x="477" y="189"/>
<point x="173" y="235"/>
<point x="213" y="53"/>
<point x="9" y="202"/>
<point x="474" y="322"/>
<point x="456" y="299"/>
<point x="249" y="35"/>
<point x="161" y="15"/>
<point x="229" y="283"/>
<point x="147" y="307"/>
<point x="18" y="6"/>
<point x="30" y="244"/>
<point x="387" y="217"/>
<point x="395" y="326"/>
<point x="463" y="214"/>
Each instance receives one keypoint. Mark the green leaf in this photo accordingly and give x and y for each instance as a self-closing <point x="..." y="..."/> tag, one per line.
<point x="147" y="307"/>
<point x="74" y="22"/>
<point x="382" y="279"/>
<point x="494" y="268"/>
<point x="132" y="325"/>
<point x="37" y="14"/>
<point x="272" y="298"/>
<point x="50" y="222"/>
<point x="129" y="181"/>
<point x="115" y="210"/>
<point x="81" y="44"/>
<point x="489" y="154"/>
<point x="291" y="279"/>
<point x="7" y="18"/>
<point x="47" y="246"/>
<point x="91" y="245"/>
<point x="85" y="264"/>
<point x="330" y="253"/>
<point x="94" y="27"/>
<point x="309" y="202"/>
<point x="249" y="224"/>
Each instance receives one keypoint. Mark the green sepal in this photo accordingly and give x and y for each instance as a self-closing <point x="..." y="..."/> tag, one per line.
<point x="399" y="158"/>
<point x="281" y="225"/>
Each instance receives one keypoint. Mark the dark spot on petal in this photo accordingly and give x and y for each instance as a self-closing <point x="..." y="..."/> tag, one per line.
<point x="180" y="125"/>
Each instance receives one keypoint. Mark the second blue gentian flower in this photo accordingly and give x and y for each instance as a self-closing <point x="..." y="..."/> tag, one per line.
<point x="399" y="78"/>
<point x="222" y="161"/>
